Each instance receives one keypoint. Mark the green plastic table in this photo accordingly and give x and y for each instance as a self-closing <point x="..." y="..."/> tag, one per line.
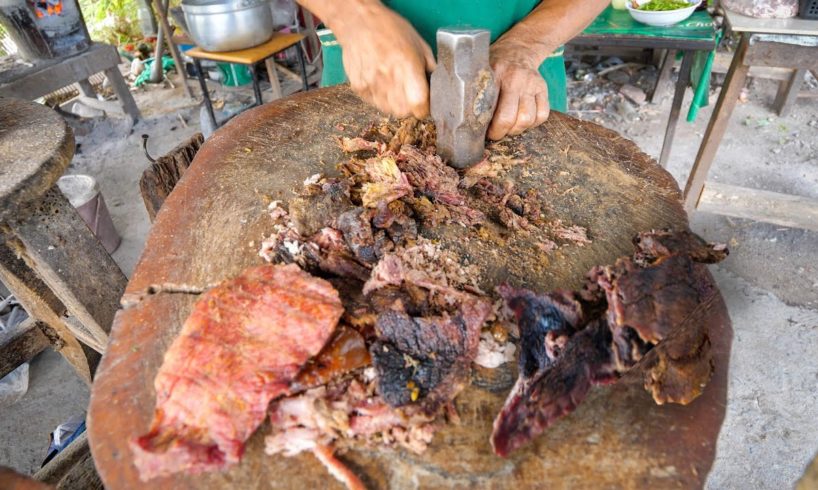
<point x="696" y="34"/>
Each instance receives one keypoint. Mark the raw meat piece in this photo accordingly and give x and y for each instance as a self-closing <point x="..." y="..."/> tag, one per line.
<point x="426" y="359"/>
<point x="242" y="345"/>
<point x="643" y="307"/>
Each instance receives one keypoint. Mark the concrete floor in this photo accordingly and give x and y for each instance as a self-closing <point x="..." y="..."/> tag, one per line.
<point x="770" y="280"/>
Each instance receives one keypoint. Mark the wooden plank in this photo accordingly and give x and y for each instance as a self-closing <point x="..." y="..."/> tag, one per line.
<point x="161" y="177"/>
<point x="41" y="303"/>
<point x="72" y="469"/>
<point x="678" y="97"/>
<point x="272" y="74"/>
<point x="788" y="92"/>
<point x="717" y="126"/>
<point x="123" y="93"/>
<point x="41" y="82"/>
<point x="73" y="263"/>
<point x="794" y="26"/>
<point x="760" y="205"/>
<point x="721" y="64"/>
<point x="174" y="51"/>
<point x="663" y="80"/>
<point x="278" y="42"/>
<point x="782" y="55"/>
<point x="20" y="345"/>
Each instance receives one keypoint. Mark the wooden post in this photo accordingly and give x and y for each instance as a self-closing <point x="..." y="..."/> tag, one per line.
<point x="717" y="126"/>
<point x="788" y="92"/>
<point x="272" y="73"/>
<point x="678" y="97"/>
<point x="174" y="51"/>
<point x="21" y="345"/>
<point x="41" y="304"/>
<point x="60" y="249"/>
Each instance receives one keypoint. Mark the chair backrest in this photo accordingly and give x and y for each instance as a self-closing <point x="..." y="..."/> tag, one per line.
<point x="161" y="177"/>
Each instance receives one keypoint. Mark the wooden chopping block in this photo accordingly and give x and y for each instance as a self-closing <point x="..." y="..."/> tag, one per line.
<point x="210" y="229"/>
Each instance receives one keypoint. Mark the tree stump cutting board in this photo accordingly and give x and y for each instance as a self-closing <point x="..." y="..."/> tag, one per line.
<point x="211" y="226"/>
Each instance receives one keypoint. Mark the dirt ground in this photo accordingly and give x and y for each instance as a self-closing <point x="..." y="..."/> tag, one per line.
<point x="770" y="280"/>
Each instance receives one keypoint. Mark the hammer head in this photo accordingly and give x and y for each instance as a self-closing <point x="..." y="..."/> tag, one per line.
<point x="463" y="94"/>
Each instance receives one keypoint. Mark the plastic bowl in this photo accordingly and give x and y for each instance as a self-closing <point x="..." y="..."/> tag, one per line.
<point x="660" y="18"/>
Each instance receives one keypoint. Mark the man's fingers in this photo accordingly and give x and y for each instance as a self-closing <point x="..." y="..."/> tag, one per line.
<point x="429" y="58"/>
<point x="526" y="114"/>
<point x="416" y="89"/>
<point x="505" y="115"/>
<point x="543" y="108"/>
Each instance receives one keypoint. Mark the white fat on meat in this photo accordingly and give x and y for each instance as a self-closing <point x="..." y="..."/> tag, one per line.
<point x="492" y="354"/>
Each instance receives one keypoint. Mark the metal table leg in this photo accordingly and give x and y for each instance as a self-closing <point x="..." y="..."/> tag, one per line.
<point x="256" y="84"/>
<point x="678" y="97"/>
<point x="303" y="66"/>
<point x="205" y="94"/>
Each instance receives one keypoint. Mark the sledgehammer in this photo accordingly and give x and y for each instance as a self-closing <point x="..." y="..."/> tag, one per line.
<point x="463" y="95"/>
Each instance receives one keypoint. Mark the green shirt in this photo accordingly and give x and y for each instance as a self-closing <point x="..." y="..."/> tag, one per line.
<point x="428" y="16"/>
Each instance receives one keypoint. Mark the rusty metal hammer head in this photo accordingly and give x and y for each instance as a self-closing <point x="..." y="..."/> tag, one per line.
<point x="463" y="94"/>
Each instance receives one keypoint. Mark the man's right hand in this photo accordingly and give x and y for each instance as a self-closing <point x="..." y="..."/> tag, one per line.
<point x="385" y="59"/>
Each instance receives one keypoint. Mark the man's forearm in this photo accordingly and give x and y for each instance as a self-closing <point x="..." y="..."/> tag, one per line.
<point x="340" y="15"/>
<point x="551" y="24"/>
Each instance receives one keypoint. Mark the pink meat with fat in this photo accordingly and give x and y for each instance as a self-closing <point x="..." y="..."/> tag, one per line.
<point x="241" y="347"/>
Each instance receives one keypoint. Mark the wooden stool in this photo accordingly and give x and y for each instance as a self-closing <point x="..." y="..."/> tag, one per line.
<point x="49" y="258"/>
<point x="250" y="57"/>
<point x="46" y="77"/>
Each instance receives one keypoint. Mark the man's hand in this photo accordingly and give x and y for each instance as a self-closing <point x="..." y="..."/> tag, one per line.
<point x="386" y="60"/>
<point x="523" y="101"/>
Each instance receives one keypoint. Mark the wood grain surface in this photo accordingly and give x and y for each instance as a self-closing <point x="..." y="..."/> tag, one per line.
<point x="211" y="226"/>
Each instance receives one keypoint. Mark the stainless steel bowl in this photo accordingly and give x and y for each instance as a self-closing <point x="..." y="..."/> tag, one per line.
<point x="228" y="25"/>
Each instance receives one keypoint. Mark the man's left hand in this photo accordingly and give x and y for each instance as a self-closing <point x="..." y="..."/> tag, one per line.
<point x="523" y="100"/>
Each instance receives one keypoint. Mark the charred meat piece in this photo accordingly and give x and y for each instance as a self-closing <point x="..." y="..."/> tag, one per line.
<point x="655" y="245"/>
<point x="641" y="308"/>
<point x="357" y="230"/>
<point x="538" y="400"/>
<point x="319" y="207"/>
<point x="426" y="359"/>
<point x="242" y="345"/>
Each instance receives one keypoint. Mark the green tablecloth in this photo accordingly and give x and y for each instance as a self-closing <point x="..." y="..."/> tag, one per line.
<point x="697" y="27"/>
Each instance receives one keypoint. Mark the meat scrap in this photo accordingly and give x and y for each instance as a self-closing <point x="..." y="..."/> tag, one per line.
<point x="344" y="412"/>
<point x="426" y="359"/>
<point x="242" y="346"/>
<point x="573" y="340"/>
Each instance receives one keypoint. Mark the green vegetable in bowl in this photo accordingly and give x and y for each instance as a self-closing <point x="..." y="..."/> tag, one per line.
<point x="662" y="5"/>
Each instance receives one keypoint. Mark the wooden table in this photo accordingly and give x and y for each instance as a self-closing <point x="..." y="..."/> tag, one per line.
<point x="753" y="50"/>
<point x="49" y="259"/>
<point x="210" y="228"/>
<point x="31" y="82"/>
<point x="617" y="28"/>
<point x="250" y="57"/>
